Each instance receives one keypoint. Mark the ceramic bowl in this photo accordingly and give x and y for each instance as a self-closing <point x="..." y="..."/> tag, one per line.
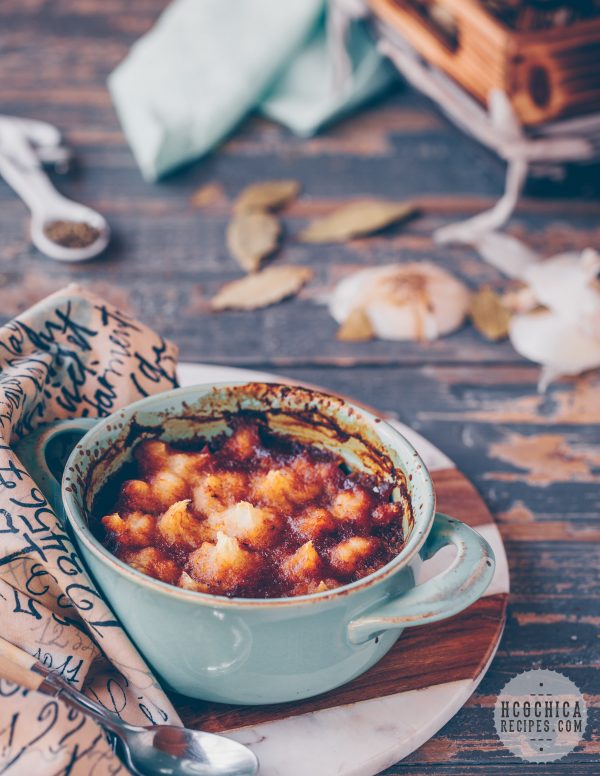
<point x="257" y="651"/>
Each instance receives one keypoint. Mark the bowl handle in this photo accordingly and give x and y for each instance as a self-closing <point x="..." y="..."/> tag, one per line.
<point x="43" y="462"/>
<point x="446" y="594"/>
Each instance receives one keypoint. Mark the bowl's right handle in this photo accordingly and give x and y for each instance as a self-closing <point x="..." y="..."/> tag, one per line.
<point x="462" y="583"/>
<point x="33" y="451"/>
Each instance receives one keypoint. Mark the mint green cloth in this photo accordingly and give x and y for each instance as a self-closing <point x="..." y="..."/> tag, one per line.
<point x="303" y="97"/>
<point x="187" y="83"/>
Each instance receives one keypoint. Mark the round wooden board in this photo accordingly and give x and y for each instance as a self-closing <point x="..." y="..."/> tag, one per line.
<point x="383" y="715"/>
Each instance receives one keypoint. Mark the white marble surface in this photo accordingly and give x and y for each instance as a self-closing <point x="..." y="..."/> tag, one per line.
<point x="362" y="738"/>
<point x="355" y="740"/>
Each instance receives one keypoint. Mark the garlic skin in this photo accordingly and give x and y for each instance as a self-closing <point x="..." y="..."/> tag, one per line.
<point x="414" y="301"/>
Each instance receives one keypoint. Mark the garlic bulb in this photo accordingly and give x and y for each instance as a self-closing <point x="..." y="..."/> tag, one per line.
<point x="414" y="301"/>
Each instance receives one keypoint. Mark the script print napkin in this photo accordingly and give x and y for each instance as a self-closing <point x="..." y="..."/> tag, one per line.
<point x="71" y="355"/>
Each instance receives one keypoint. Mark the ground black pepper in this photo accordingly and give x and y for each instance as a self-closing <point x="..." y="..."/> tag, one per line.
<point x="71" y="234"/>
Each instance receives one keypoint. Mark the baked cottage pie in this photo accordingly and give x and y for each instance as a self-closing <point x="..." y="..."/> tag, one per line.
<point x="252" y="514"/>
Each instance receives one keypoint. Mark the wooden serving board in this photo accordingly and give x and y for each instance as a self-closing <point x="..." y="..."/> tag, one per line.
<point x="388" y="712"/>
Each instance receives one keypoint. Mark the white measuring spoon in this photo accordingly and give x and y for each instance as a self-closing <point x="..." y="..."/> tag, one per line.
<point x="21" y="169"/>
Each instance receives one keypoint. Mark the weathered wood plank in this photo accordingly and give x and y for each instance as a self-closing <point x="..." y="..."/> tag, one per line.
<point x="163" y="274"/>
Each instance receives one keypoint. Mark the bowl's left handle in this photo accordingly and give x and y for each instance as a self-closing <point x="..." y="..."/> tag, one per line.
<point x="45" y="451"/>
<point x="460" y="585"/>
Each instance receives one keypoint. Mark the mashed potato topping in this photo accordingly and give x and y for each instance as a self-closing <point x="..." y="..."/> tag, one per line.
<point x="252" y="514"/>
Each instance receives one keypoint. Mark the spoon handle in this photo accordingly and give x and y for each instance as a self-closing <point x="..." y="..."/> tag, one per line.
<point x="20" y="165"/>
<point x="19" y="666"/>
<point x="19" y="674"/>
<point x="16" y="654"/>
<point x="30" y="182"/>
<point x="86" y="705"/>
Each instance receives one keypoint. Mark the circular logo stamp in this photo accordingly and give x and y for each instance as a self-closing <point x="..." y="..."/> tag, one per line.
<point x="540" y="716"/>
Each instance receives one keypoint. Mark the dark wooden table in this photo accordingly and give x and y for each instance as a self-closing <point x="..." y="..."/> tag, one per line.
<point x="477" y="401"/>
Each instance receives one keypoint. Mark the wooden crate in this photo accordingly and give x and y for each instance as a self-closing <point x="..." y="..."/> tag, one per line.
<point x="547" y="74"/>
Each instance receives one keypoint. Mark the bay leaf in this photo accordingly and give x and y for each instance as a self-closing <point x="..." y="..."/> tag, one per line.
<point x="267" y="195"/>
<point x="356" y="328"/>
<point x="252" y="237"/>
<point x="262" y="289"/>
<point x="490" y="317"/>
<point x="207" y="195"/>
<point x="359" y="218"/>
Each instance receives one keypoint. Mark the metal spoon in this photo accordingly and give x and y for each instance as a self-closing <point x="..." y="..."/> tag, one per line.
<point x="164" y="750"/>
<point x="21" y="168"/>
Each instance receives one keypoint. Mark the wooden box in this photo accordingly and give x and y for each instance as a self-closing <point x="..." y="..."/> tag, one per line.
<point x="547" y="74"/>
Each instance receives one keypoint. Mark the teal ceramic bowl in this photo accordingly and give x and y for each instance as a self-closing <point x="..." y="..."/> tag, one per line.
<point x="256" y="651"/>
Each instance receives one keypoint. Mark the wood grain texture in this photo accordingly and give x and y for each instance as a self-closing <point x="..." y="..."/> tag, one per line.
<point x="468" y="396"/>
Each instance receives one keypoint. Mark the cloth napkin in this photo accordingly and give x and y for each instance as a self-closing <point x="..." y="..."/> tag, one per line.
<point x="307" y="95"/>
<point x="71" y="355"/>
<point x="187" y="83"/>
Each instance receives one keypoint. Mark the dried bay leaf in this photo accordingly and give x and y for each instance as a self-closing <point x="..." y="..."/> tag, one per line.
<point x="262" y="289"/>
<point x="207" y="195"/>
<point x="356" y="328"/>
<point x="251" y="237"/>
<point x="362" y="217"/>
<point x="490" y="317"/>
<point x="267" y="195"/>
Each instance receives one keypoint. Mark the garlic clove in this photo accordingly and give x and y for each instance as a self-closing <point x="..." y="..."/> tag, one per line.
<point x="561" y="347"/>
<point x="567" y="285"/>
<point x="506" y="253"/>
<point x="409" y="322"/>
<point x="413" y="301"/>
<point x="350" y="292"/>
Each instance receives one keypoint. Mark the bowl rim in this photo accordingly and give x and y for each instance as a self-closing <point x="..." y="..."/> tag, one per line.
<point x="413" y="468"/>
